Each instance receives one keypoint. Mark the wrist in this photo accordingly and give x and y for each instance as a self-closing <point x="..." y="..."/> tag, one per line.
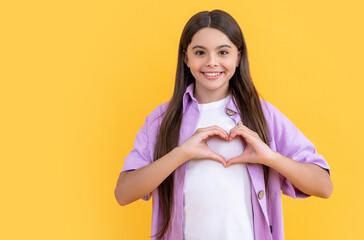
<point x="272" y="159"/>
<point x="184" y="155"/>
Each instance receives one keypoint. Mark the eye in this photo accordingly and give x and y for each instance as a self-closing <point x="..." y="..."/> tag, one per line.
<point x="223" y="52"/>
<point x="199" y="53"/>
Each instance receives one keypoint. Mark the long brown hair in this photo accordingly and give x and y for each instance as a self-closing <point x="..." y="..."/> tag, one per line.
<point x="241" y="88"/>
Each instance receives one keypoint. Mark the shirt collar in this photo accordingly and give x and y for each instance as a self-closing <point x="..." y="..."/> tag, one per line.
<point x="188" y="97"/>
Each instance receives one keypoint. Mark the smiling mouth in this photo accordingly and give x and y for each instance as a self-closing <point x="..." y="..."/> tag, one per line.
<point x="215" y="74"/>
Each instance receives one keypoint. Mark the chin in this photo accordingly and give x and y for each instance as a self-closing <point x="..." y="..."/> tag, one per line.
<point x="215" y="86"/>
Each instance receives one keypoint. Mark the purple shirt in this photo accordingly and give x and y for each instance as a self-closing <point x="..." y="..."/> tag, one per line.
<point x="284" y="137"/>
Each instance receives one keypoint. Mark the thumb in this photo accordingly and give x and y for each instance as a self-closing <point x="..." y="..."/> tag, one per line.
<point x="217" y="157"/>
<point x="237" y="159"/>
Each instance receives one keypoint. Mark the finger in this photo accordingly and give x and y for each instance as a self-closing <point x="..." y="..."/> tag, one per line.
<point x="208" y="132"/>
<point x="219" y="128"/>
<point x="241" y="125"/>
<point x="246" y="128"/>
<point x="246" y="136"/>
<point x="241" y="132"/>
<point x="217" y="157"/>
<point x="233" y="130"/>
<point x="234" y="160"/>
<point x="215" y="132"/>
<point x="238" y="126"/>
<point x="207" y="129"/>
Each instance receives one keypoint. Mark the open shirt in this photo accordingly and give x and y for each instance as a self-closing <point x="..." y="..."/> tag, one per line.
<point x="284" y="137"/>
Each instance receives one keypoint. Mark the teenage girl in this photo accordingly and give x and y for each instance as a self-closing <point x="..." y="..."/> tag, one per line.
<point x="215" y="157"/>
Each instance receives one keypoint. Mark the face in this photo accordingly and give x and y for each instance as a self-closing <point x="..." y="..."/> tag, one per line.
<point x="212" y="59"/>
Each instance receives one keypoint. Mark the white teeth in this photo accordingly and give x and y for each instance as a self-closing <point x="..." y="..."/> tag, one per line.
<point x="212" y="74"/>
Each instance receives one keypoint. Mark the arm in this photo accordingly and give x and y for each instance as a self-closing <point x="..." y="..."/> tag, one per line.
<point x="136" y="184"/>
<point x="307" y="177"/>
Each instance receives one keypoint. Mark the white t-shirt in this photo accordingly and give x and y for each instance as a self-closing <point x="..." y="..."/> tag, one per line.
<point x="217" y="200"/>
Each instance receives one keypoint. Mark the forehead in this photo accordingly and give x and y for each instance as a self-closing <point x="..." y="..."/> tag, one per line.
<point x="210" y="38"/>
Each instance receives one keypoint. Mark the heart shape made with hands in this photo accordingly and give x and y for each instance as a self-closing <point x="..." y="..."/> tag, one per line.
<point x="227" y="149"/>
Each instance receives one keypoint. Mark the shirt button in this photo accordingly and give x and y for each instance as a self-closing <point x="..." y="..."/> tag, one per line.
<point x="261" y="194"/>
<point x="230" y="112"/>
<point x="240" y="123"/>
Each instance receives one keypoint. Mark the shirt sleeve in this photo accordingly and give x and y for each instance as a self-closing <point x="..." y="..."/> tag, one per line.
<point x="139" y="156"/>
<point x="291" y="143"/>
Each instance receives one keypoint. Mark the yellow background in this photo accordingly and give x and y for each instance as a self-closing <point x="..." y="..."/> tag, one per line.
<point x="79" y="77"/>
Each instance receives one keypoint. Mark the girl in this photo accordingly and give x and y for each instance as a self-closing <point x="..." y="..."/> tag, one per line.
<point x="215" y="157"/>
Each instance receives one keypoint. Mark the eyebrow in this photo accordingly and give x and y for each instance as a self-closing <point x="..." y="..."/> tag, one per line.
<point x="221" y="46"/>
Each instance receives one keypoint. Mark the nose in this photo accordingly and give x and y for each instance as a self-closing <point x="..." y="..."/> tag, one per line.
<point x="211" y="61"/>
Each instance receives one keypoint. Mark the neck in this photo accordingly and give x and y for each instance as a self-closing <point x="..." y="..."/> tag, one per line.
<point x="206" y="96"/>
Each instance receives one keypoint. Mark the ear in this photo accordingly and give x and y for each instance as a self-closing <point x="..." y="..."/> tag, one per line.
<point x="185" y="58"/>
<point x="238" y="59"/>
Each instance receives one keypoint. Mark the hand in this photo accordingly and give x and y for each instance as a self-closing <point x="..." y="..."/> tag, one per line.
<point x="256" y="151"/>
<point x="197" y="148"/>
